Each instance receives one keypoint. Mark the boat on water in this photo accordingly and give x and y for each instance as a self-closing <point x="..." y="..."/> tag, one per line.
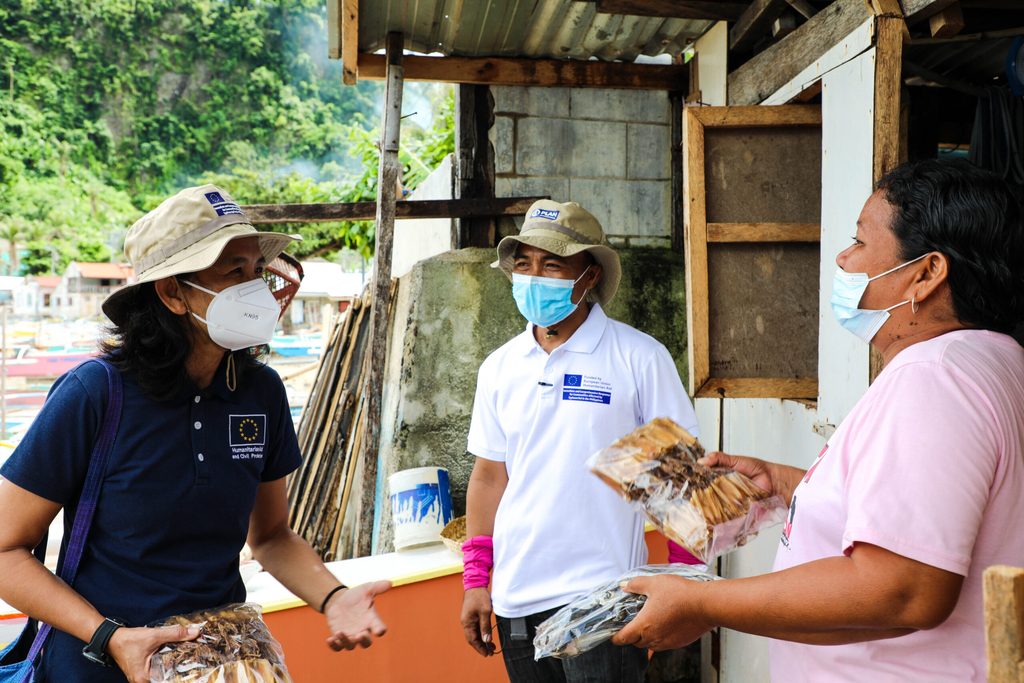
<point x="51" y="362"/>
<point x="297" y="346"/>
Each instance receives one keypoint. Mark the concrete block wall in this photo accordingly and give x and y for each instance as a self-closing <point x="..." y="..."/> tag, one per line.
<point x="609" y="150"/>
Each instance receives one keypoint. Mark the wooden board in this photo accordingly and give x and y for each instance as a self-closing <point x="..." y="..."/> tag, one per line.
<point x="768" y="174"/>
<point x="764" y="311"/>
<point x="349" y="40"/>
<point x="752" y="230"/>
<point x="770" y="70"/>
<point x="367" y="211"/>
<point x="1004" y="623"/>
<point x="533" y="72"/>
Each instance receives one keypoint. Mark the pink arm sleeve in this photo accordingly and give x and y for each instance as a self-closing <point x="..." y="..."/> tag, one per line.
<point x="477" y="560"/>
<point x="679" y="554"/>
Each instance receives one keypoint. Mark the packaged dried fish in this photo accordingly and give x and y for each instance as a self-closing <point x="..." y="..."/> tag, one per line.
<point x="708" y="511"/>
<point x="590" y="620"/>
<point x="234" y="646"/>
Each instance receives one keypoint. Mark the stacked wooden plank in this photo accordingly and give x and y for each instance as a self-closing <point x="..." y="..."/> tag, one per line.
<point x="331" y="434"/>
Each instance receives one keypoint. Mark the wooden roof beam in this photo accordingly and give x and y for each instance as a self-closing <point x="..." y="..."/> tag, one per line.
<point x="917" y="10"/>
<point x="760" y="77"/>
<point x="263" y="214"/>
<point x="533" y="72"/>
<point x="947" y="23"/>
<point x="715" y="10"/>
<point x="755" y="22"/>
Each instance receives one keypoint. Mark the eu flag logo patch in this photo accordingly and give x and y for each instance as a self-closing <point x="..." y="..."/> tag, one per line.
<point x="221" y="205"/>
<point x="586" y="389"/>
<point x="247" y="430"/>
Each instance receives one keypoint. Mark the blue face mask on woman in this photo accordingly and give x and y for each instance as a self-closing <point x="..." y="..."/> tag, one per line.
<point x="848" y="290"/>
<point x="544" y="301"/>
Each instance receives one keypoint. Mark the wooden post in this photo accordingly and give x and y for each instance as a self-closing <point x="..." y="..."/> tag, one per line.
<point x="1004" y="623"/>
<point x="388" y="177"/>
<point x="676" y="132"/>
<point x="888" y="85"/>
<point x="474" y="163"/>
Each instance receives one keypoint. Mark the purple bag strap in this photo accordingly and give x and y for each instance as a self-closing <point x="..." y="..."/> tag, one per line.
<point x="90" y="491"/>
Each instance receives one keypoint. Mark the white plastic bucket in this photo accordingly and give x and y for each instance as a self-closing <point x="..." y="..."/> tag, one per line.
<point x="421" y="505"/>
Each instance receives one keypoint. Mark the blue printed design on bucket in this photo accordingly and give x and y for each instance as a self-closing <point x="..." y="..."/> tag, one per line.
<point x="446" y="496"/>
<point x="417" y="504"/>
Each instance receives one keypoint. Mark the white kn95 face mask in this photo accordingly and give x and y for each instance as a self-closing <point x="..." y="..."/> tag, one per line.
<point x="242" y="315"/>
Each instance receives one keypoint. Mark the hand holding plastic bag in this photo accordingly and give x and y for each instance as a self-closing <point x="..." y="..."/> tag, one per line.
<point x="707" y="510"/>
<point x="234" y="646"/>
<point x="592" y="619"/>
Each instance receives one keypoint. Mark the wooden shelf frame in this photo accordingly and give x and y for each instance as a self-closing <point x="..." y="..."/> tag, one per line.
<point x="699" y="233"/>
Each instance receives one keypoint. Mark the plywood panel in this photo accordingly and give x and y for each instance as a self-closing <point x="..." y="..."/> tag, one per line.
<point x="761" y="295"/>
<point x="847" y="98"/>
<point x="781" y="431"/>
<point x="763" y="175"/>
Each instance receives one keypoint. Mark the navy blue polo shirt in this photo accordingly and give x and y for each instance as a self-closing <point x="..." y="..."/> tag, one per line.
<point x="174" y="509"/>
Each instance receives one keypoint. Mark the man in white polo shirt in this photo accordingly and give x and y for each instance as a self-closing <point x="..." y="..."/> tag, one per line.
<point x="572" y="383"/>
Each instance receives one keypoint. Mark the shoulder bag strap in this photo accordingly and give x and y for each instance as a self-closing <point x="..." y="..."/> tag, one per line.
<point x="90" y="491"/>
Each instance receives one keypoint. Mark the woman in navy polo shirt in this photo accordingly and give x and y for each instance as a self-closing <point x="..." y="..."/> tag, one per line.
<point x="198" y="466"/>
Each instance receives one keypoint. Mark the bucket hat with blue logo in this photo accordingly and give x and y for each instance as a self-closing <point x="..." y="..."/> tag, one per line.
<point x="564" y="230"/>
<point x="186" y="234"/>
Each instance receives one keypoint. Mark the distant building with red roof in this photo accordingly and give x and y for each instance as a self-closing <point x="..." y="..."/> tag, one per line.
<point x="84" y="287"/>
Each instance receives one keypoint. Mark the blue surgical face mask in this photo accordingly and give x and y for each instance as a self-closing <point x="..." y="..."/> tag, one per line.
<point x="847" y="291"/>
<point x="544" y="301"/>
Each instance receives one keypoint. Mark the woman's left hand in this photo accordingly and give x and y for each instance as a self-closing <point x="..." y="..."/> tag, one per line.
<point x="352" y="618"/>
<point x="671" y="617"/>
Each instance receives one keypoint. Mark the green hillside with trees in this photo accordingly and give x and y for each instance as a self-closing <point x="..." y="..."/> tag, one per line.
<point x="108" y="106"/>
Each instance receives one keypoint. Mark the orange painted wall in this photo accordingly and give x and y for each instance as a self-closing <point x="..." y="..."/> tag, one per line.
<point x="424" y="643"/>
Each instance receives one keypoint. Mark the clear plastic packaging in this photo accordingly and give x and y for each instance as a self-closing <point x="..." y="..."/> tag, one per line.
<point x="707" y="510"/>
<point x="234" y="646"/>
<point x="590" y="620"/>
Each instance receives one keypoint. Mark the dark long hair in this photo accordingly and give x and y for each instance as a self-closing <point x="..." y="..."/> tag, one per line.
<point x="152" y="344"/>
<point x="973" y="217"/>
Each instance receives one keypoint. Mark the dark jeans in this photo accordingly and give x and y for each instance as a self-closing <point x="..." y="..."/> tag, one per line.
<point x="606" y="663"/>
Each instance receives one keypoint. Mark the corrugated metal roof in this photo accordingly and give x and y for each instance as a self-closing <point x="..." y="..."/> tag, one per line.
<point x="521" y="28"/>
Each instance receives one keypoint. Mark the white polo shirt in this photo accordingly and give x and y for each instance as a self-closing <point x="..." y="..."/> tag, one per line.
<point x="559" y="531"/>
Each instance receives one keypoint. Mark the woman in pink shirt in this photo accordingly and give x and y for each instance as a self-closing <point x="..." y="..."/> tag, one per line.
<point x="922" y="485"/>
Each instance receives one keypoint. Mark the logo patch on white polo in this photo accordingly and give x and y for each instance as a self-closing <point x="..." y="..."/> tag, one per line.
<point x="586" y="388"/>
<point x="247" y="436"/>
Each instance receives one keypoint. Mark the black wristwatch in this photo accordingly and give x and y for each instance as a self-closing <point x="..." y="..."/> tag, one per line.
<point x="96" y="650"/>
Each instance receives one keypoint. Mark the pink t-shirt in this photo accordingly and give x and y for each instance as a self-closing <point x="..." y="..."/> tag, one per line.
<point x="929" y="465"/>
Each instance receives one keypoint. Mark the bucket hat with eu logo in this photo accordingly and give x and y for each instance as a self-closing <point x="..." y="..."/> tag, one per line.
<point x="186" y="234"/>
<point x="564" y="230"/>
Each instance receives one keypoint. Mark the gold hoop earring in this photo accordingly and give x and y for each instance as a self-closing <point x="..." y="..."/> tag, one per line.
<point x="914" y="306"/>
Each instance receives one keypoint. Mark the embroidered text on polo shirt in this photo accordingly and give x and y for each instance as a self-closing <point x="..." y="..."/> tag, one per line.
<point x="586" y="388"/>
<point x="247" y="436"/>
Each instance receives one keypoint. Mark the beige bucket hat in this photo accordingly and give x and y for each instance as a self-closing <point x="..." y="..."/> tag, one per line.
<point x="565" y="230"/>
<point x="185" y="234"/>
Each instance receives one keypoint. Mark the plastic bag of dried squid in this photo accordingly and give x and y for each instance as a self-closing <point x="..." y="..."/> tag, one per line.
<point x="234" y="646"/>
<point x="707" y="510"/>
<point x="590" y="620"/>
